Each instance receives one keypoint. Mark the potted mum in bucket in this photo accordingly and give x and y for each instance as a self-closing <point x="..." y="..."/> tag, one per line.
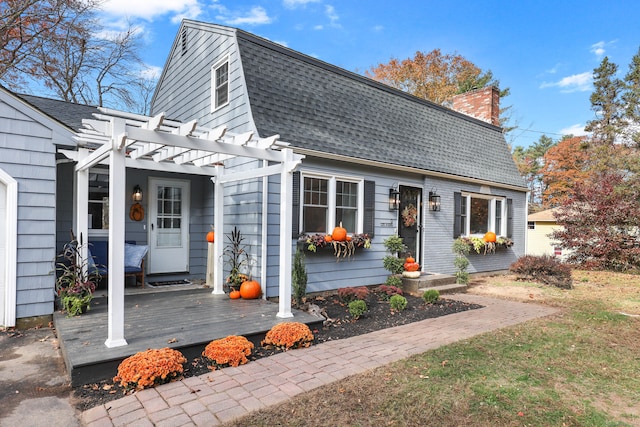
<point x="76" y="279"/>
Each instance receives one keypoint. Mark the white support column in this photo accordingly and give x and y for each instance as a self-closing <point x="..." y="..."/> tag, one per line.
<point x="117" y="192"/>
<point x="286" y="190"/>
<point x="82" y="205"/>
<point x="265" y="232"/>
<point x="218" y="225"/>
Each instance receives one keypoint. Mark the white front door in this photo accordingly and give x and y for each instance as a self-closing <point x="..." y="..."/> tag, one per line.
<point x="168" y="226"/>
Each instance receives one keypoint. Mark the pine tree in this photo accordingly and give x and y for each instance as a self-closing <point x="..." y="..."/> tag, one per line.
<point x="631" y="99"/>
<point x="606" y="102"/>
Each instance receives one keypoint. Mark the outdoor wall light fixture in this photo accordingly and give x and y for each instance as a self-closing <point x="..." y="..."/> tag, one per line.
<point x="394" y="199"/>
<point x="137" y="194"/>
<point x="434" y="201"/>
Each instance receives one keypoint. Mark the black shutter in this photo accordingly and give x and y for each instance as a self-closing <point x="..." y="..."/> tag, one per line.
<point x="295" y="206"/>
<point x="457" y="214"/>
<point x="368" y="225"/>
<point x="510" y="218"/>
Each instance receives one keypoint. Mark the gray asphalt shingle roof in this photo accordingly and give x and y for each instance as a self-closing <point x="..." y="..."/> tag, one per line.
<point x="67" y="113"/>
<point x="317" y="106"/>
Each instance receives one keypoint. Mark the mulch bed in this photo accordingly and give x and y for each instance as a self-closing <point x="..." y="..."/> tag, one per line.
<point x="379" y="316"/>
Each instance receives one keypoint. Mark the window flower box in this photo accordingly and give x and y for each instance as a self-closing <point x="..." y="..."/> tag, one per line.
<point x="480" y="246"/>
<point x="341" y="249"/>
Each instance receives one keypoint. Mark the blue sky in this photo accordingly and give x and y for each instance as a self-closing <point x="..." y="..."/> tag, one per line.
<point x="544" y="51"/>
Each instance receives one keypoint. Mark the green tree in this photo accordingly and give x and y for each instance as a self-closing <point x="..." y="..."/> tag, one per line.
<point x="631" y="99"/>
<point x="529" y="162"/>
<point x="606" y="102"/>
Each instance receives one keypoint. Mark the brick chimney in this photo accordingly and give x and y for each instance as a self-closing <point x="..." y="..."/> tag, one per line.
<point x="483" y="104"/>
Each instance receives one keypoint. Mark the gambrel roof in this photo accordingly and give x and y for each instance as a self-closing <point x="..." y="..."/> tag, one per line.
<point x="318" y="107"/>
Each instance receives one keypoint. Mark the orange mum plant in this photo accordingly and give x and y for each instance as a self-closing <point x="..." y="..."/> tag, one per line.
<point x="289" y="335"/>
<point x="230" y="351"/>
<point x="149" y="368"/>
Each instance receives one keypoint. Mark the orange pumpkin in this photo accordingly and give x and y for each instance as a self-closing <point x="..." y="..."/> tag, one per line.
<point x="328" y="238"/>
<point x="339" y="233"/>
<point x="489" y="237"/>
<point x="410" y="259"/>
<point x="211" y="236"/>
<point x="411" y="266"/>
<point x="348" y="238"/>
<point x="234" y="294"/>
<point x="250" y="289"/>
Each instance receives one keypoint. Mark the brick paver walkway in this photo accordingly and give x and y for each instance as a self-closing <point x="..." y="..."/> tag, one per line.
<point x="214" y="398"/>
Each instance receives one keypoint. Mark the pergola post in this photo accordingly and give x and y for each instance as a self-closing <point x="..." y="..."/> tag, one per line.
<point x="218" y="225"/>
<point x="117" y="191"/>
<point x="82" y="206"/>
<point x="286" y="190"/>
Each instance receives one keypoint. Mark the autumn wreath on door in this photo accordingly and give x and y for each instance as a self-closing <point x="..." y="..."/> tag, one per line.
<point x="409" y="215"/>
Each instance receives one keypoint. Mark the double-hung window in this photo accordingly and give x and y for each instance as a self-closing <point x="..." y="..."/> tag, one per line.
<point x="328" y="201"/>
<point x="477" y="214"/>
<point x="220" y="83"/>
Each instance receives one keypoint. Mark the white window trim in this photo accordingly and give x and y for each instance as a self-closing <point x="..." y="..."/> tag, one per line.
<point x="215" y="66"/>
<point x="331" y="199"/>
<point x="492" y="213"/>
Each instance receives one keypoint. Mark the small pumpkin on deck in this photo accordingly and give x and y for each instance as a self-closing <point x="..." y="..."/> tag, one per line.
<point x="234" y="294"/>
<point x="211" y="236"/>
<point x="250" y="289"/>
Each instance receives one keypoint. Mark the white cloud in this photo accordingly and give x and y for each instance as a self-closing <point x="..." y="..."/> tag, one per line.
<point x="575" y="130"/>
<point x="141" y="9"/>
<point x="257" y="15"/>
<point x="598" y="49"/>
<point x="151" y="72"/>
<point x="292" y="4"/>
<point x="575" y="83"/>
<point x="318" y="27"/>
<point x="378" y="28"/>
<point x="330" y="11"/>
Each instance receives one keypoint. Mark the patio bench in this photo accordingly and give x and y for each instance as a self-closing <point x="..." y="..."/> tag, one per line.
<point x="133" y="259"/>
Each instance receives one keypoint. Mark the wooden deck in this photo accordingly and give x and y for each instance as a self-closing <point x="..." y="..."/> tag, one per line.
<point x="186" y="319"/>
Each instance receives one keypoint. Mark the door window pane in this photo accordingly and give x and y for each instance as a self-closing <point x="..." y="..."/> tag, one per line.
<point x="169" y="216"/>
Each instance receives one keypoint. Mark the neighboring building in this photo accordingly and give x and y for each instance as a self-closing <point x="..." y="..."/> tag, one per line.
<point x="540" y="225"/>
<point x="364" y="154"/>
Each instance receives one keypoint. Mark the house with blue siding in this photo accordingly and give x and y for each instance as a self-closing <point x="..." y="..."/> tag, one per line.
<point x="373" y="159"/>
<point x="363" y="142"/>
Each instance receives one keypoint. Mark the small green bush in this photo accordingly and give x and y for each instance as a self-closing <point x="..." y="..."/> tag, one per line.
<point x="543" y="269"/>
<point x="395" y="281"/>
<point x="350" y="294"/>
<point x="393" y="264"/>
<point x="357" y="308"/>
<point x="430" y="296"/>
<point x="398" y="303"/>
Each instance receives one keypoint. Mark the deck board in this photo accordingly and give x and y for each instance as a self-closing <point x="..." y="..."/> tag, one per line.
<point x="191" y="317"/>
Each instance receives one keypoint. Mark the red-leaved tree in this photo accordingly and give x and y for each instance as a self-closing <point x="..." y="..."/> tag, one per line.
<point x="600" y="223"/>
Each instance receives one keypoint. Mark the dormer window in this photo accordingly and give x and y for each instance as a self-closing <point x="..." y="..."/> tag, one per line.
<point x="220" y="84"/>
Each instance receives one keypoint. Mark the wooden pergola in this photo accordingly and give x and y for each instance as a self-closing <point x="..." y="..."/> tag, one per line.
<point x="124" y="140"/>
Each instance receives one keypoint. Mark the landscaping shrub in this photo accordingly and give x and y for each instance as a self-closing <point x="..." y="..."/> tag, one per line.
<point x="350" y="294"/>
<point x="398" y="303"/>
<point x="430" y="296"/>
<point x="230" y="351"/>
<point x="289" y="335"/>
<point x="543" y="269"/>
<point x="299" y="278"/>
<point x="395" y="281"/>
<point x="385" y="292"/>
<point x="357" y="308"/>
<point x="150" y="368"/>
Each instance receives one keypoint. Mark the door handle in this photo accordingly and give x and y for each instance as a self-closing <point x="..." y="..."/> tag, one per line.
<point x="151" y="226"/>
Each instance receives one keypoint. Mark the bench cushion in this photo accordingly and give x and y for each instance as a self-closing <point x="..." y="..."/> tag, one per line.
<point x="133" y="255"/>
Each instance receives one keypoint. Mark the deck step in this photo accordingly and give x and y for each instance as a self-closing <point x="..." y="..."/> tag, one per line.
<point x="444" y="283"/>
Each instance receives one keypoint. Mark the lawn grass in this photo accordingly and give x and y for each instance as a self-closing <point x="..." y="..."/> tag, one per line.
<point x="578" y="368"/>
